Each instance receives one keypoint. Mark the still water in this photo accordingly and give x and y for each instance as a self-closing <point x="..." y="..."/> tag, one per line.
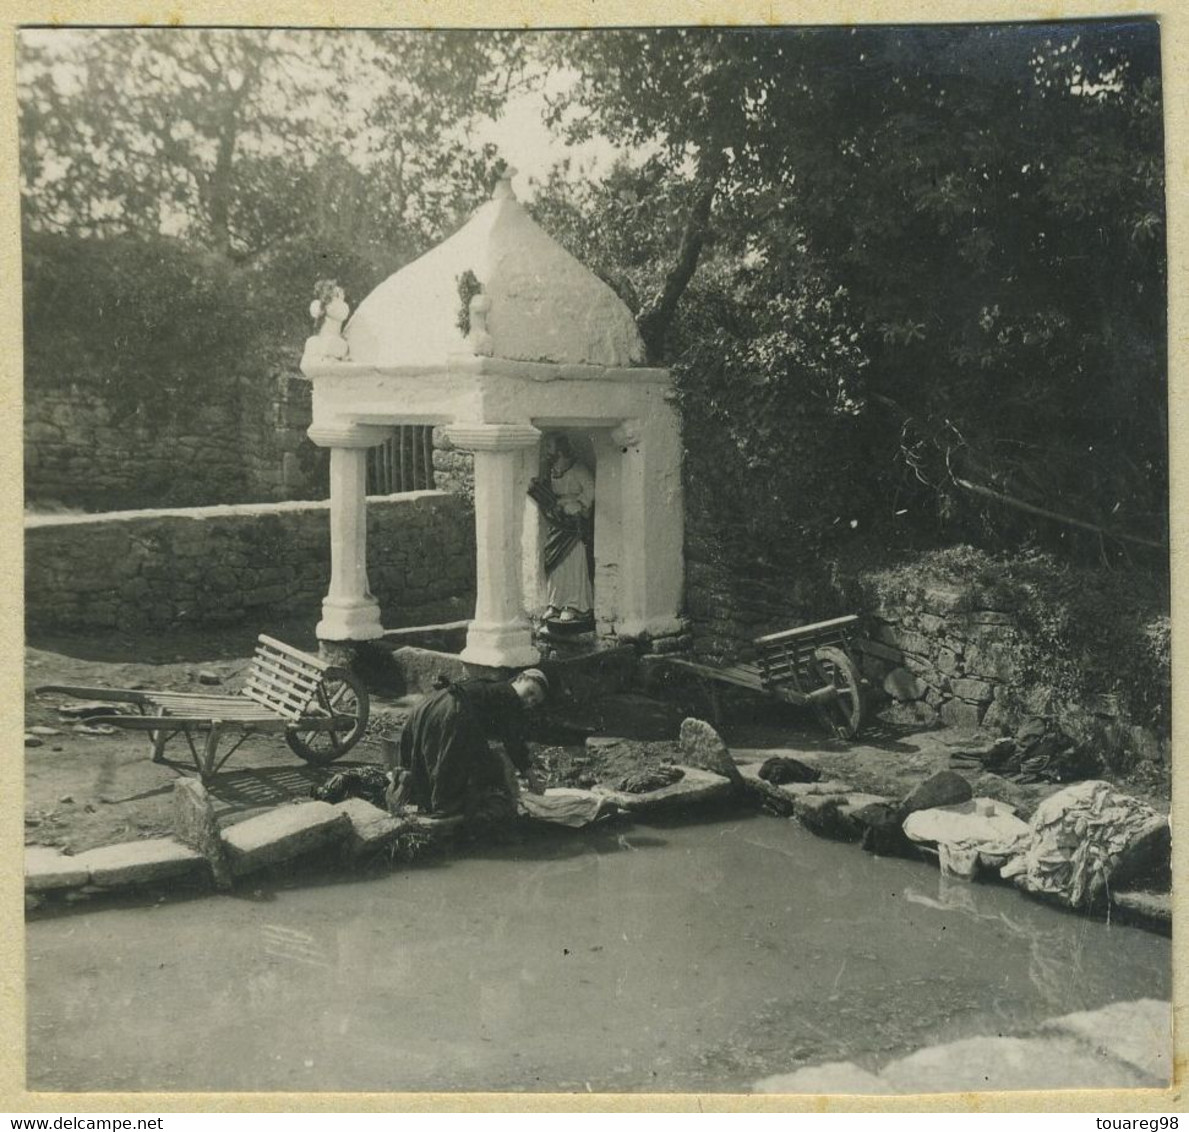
<point x="655" y="958"/>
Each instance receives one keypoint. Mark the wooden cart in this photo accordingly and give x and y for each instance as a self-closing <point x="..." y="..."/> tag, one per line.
<point x="321" y="709"/>
<point x="811" y="664"/>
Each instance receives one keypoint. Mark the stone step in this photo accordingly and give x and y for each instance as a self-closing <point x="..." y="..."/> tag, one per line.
<point x="282" y="834"/>
<point x="141" y="862"/>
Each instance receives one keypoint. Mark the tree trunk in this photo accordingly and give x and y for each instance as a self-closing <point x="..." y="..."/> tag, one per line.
<point x="657" y="316"/>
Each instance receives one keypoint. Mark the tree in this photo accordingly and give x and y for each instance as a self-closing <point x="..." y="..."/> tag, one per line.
<point x="961" y="228"/>
<point x="239" y="140"/>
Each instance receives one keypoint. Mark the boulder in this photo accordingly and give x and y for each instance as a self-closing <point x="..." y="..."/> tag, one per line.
<point x="903" y="686"/>
<point x="883" y="831"/>
<point x="703" y="747"/>
<point x="945" y="788"/>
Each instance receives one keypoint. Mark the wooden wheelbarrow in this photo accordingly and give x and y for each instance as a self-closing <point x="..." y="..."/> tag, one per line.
<point x="320" y="708"/>
<point x="811" y="665"/>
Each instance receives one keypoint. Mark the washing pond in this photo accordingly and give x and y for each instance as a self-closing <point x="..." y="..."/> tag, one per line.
<point x="658" y="958"/>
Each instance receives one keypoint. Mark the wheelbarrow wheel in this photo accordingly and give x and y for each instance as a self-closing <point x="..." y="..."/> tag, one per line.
<point x="842" y="714"/>
<point x="341" y="694"/>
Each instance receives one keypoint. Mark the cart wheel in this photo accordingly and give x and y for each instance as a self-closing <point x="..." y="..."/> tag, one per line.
<point x="843" y="716"/>
<point x="340" y="693"/>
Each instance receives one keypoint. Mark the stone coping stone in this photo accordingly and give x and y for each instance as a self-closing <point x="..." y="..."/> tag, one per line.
<point x="694" y="787"/>
<point x="760" y="755"/>
<point x="371" y="828"/>
<point x="991" y="1064"/>
<point x="835" y="815"/>
<point x="833" y="1078"/>
<point x="282" y="834"/>
<point x="140" y="862"/>
<point x="47" y="869"/>
<point x="1138" y="1033"/>
<point x="1155" y="907"/>
<point x="750" y="773"/>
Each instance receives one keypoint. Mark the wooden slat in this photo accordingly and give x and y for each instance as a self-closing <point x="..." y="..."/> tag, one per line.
<point x="285" y="688"/>
<point x="293" y="671"/>
<point x="280" y="646"/>
<point x="743" y="675"/>
<point x="263" y="724"/>
<point x="808" y="630"/>
<point x="290" y="707"/>
<point x="104" y="695"/>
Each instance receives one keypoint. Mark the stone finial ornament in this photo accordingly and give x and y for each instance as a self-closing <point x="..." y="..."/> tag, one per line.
<point x="503" y="186"/>
<point x="329" y="311"/>
<point x="479" y="339"/>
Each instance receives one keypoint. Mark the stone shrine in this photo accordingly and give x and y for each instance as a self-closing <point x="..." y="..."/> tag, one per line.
<point x="549" y="347"/>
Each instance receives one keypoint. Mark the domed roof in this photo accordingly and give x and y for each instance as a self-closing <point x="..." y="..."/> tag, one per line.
<point x="545" y="306"/>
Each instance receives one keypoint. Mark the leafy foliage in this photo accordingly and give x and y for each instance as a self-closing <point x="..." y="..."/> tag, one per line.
<point x="182" y="190"/>
<point x="973" y="215"/>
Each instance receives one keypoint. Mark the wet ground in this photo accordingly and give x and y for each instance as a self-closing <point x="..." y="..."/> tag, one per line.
<point x="682" y="957"/>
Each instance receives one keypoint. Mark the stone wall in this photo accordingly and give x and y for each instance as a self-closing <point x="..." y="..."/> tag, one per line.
<point x="454" y="468"/>
<point x="247" y="446"/>
<point x="232" y="564"/>
<point x="963" y="661"/>
<point x="953" y="653"/>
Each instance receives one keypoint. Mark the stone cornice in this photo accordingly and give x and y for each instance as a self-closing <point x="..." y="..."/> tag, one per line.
<point x="493" y="437"/>
<point x="555" y="371"/>
<point x="347" y="434"/>
<point x="478" y="365"/>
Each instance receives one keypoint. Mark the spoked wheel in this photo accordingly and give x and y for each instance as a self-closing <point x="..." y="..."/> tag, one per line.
<point x="842" y="714"/>
<point x="341" y="695"/>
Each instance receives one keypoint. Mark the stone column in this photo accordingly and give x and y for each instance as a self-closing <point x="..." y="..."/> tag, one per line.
<point x="349" y="611"/>
<point x="499" y="636"/>
<point x="651" y="565"/>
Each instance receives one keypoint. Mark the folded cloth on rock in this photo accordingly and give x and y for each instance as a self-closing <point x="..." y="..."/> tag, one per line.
<point x="566" y="806"/>
<point x="371" y="783"/>
<point x="780" y="769"/>
<point x="979" y="831"/>
<point x="645" y="781"/>
<point x="1086" y="837"/>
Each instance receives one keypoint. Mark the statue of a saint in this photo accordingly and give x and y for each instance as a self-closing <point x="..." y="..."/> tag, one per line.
<point x="567" y="503"/>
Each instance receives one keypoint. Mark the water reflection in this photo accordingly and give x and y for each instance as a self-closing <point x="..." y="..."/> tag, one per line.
<point x="674" y="957"/>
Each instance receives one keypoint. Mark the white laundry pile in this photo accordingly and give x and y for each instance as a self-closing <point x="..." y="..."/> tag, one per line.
<point x="1085" y="838"/>
<point x="565" y="806"/>
<point x="979" y="832"/>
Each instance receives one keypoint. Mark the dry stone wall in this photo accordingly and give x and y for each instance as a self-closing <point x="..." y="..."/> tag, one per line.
<point x="230" y="564"/>
<point x="248" y="446"/>
<point x="963" y="661"/>
<point x="947" y="654"/>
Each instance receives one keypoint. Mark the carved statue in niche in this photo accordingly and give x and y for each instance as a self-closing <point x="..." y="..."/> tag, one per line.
<point x="329" y="311"/>
<point x="566" y="501"/>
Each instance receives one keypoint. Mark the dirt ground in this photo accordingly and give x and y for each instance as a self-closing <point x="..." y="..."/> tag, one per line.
<point x="83" y="790"/>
